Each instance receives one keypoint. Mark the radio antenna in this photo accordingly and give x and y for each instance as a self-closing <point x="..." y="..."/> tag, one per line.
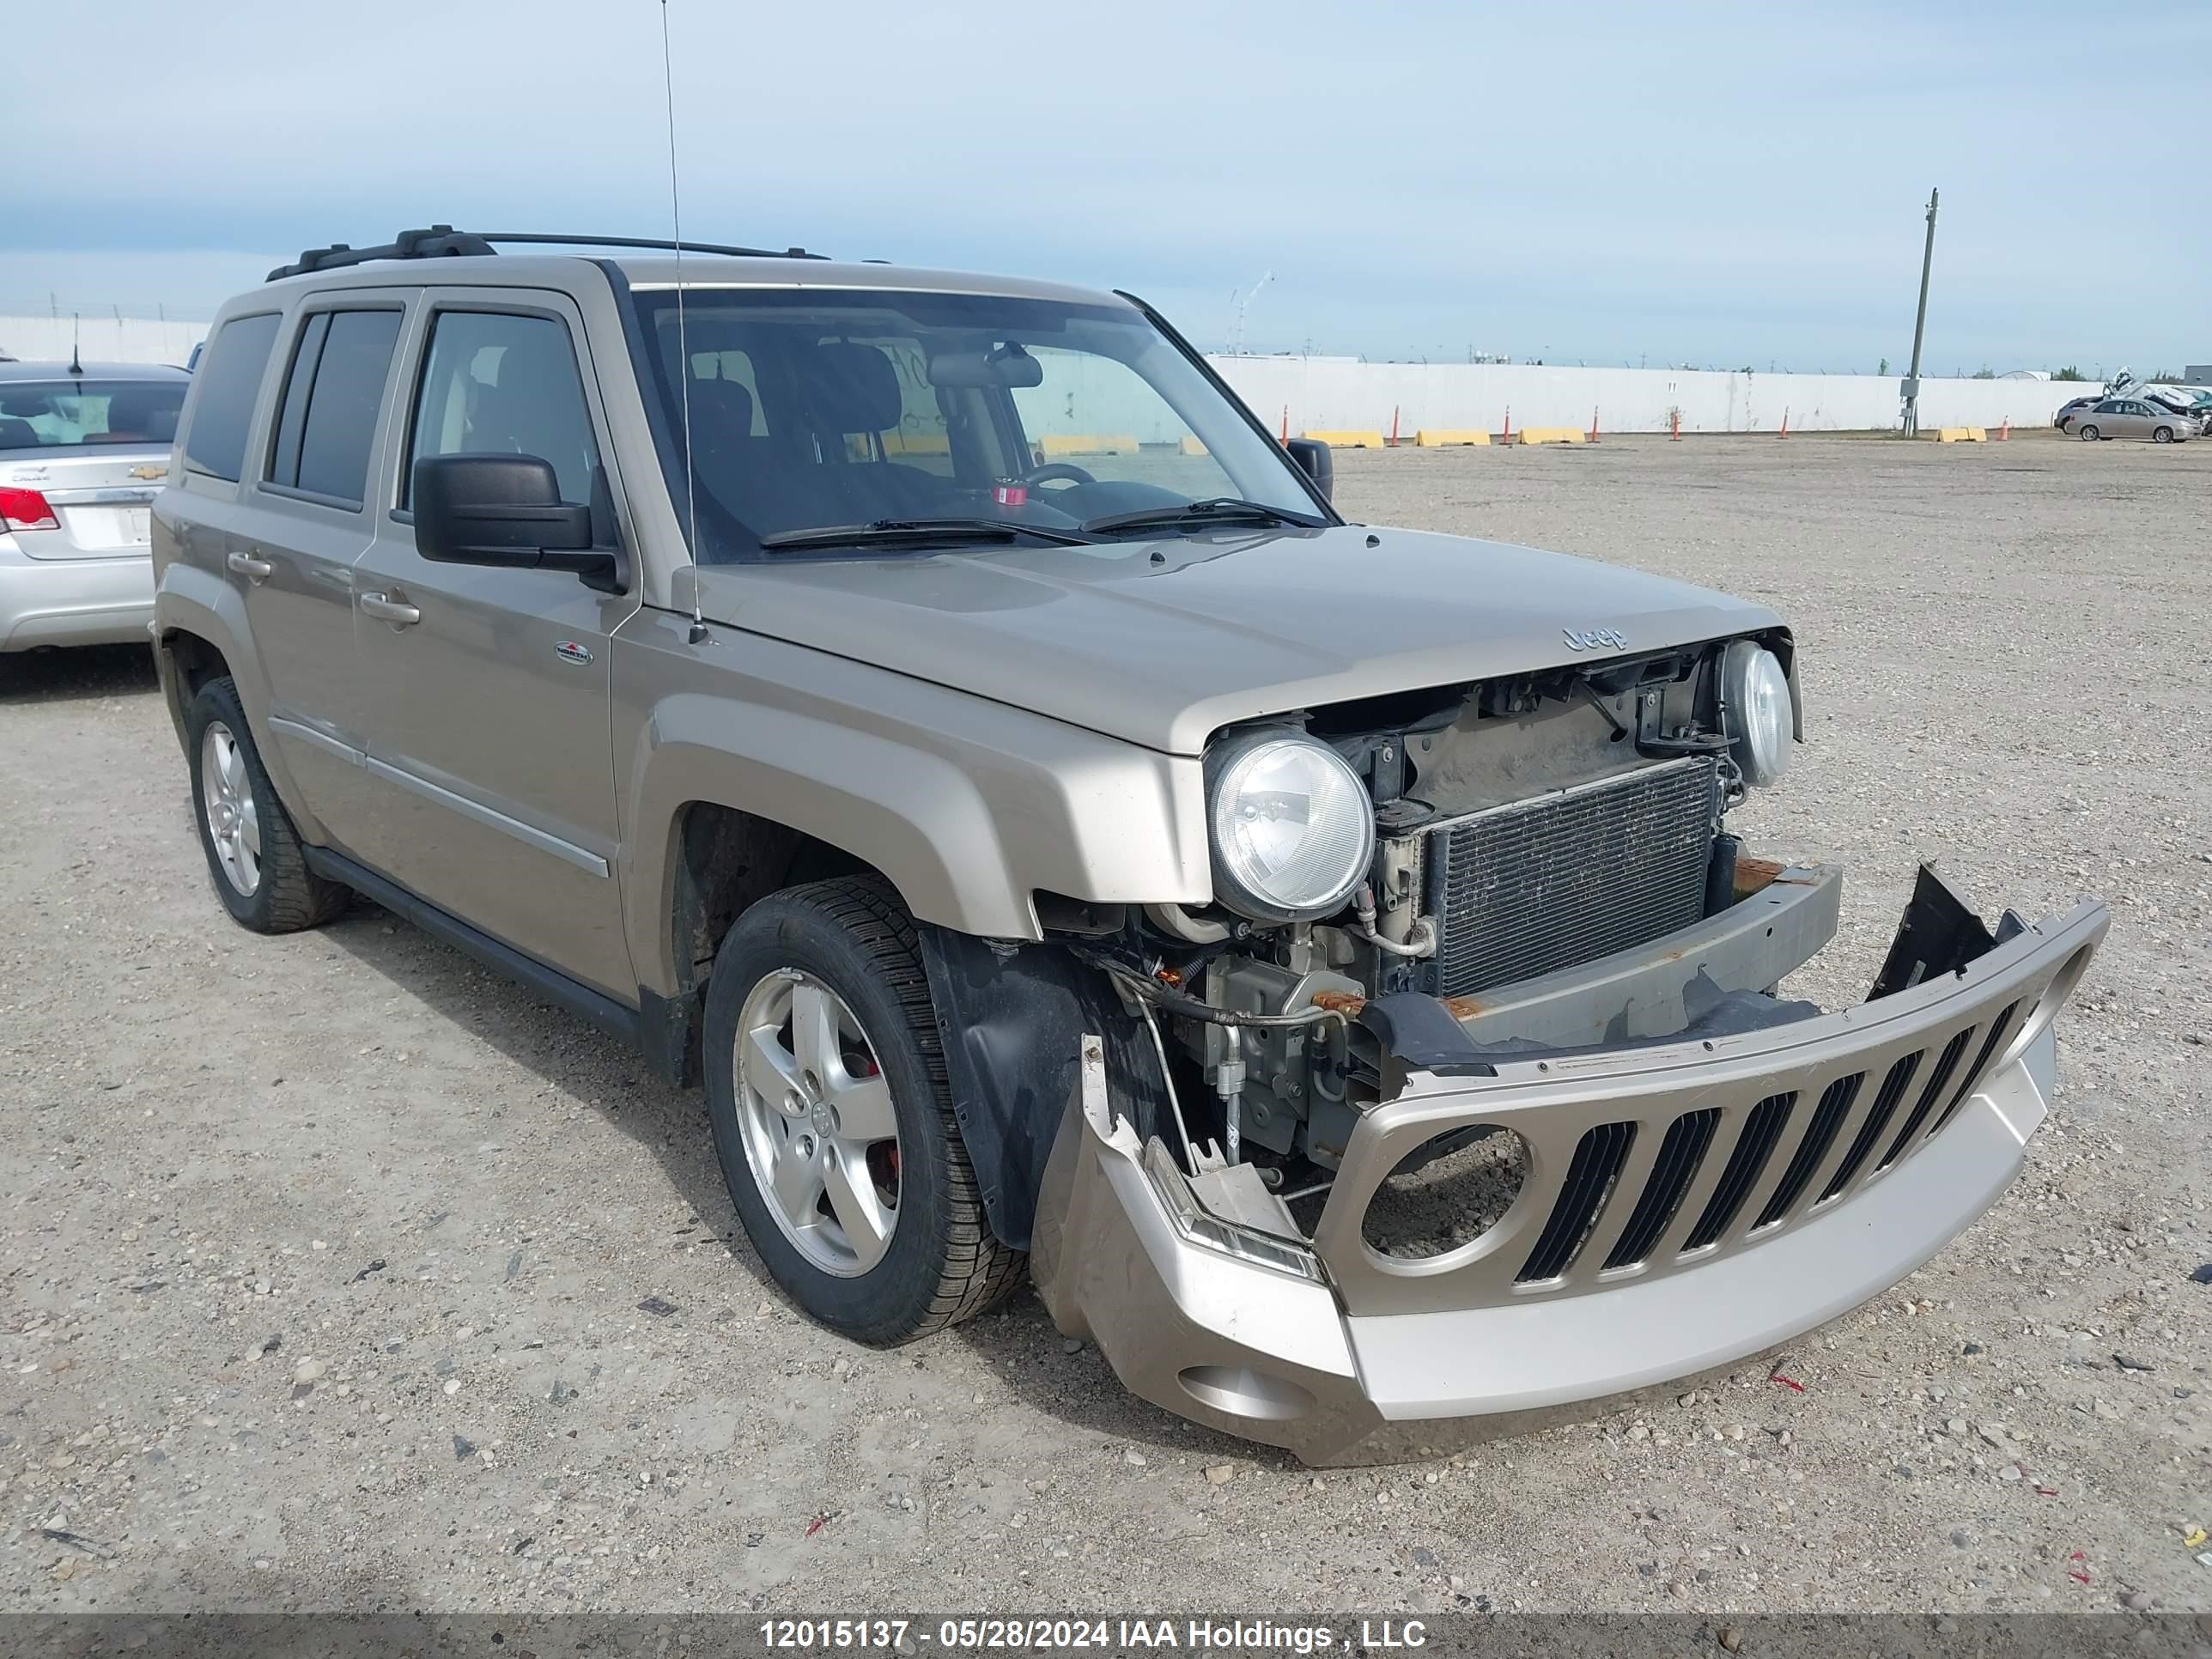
<point x="683" y="336"/>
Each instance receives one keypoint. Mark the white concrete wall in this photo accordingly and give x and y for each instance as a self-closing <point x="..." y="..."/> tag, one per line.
<point x="1335" y="395"/>
<point x="102" y="339"/>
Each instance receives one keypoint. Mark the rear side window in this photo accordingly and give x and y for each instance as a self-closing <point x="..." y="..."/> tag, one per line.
<point x="223" y="390"/>
<point x="326" y="423"/>
<point x="499" y="384"/>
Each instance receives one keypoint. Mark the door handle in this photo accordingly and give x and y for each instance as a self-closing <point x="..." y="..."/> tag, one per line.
<point x="253" y="569"/>
<point x="385" y="608"/>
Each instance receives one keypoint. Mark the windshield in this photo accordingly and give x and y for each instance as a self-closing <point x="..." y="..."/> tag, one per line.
<point x="79" y="414"/>
<point x="813" y="410"/>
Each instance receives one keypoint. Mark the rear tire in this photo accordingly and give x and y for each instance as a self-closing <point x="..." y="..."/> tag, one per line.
<point x="882" y="1237"/>
<point x="254" y="853"/>
<point x="2087" y="434"/>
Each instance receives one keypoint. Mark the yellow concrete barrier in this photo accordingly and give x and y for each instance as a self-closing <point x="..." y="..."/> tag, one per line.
<point x="1425" y="439"/>
<point x="1084" y="443"/>
<point x="916" y="443"/>
<point x="1346" y="440"/>
<point x="1192" y="445"/>
<point x="1960" y="435"/>
<point x="1551" y="435"/>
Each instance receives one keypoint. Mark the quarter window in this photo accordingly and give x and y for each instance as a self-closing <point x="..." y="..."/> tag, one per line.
<point x="224" y="389"/>
<point x="500" y="385"/>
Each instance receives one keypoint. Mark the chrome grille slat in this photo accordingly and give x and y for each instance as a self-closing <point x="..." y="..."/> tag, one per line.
<point x="1583" y="1198"/>
<point x="1946" y="1063"/>
<point x="1762" y="1127"/>
<point x="1527" y="889"/>
<point x="1877" y="1118"/>
<point x="1998" y="1027"/>
<point x="1688" y="1138"/>
<point x="1828" y="1116"/>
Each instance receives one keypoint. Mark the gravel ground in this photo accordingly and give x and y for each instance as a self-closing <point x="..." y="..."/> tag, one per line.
<point x="339" y="1272"/>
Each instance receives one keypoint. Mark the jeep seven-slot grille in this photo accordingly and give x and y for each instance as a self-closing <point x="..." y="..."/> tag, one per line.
<point x="1543" y="884"/>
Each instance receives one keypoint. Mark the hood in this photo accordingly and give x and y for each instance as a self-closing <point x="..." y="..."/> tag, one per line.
<point x="1162" y="643"/>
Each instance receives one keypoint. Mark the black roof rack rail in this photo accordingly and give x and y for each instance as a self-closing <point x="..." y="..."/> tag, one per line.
<point x="443" y="241"/>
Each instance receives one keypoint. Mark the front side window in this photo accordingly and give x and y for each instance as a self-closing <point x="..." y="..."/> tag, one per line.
<point x="224" y="389"/>
<point x="76" y="414"/>
<point x="879" y="410"/>
<point x="326" y="422"/>
<point x="497" y="384"/>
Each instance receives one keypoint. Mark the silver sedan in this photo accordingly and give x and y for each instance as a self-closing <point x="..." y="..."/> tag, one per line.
<point x="2133" y="417"/>
<point x="83" y="451"/>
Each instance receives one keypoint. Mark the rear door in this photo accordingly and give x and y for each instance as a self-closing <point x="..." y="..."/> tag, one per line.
<point x="304" y="521"/>
<point x="489" y="745"/>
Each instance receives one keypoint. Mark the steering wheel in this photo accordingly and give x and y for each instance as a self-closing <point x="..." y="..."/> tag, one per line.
<point x="1052" y="469"/>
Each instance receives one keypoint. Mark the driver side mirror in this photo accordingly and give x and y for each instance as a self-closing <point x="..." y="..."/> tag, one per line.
<point x="1316" y="462"/>
<point x="506" y="511"/>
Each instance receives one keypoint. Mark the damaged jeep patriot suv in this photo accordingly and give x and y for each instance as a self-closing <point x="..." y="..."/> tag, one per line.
<point x="932" y="712"/>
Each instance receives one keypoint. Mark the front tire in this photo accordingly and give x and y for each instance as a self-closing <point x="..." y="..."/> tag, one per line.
<point x="2162" y="436"/>
<point x="254" y="852"/>
<point x="833" y="1120"/>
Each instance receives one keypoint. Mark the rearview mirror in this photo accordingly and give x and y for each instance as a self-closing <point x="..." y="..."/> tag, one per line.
<point x="506" y="511"/>
<point x="1316" y="462"/>
<point x="1007" y="366"/>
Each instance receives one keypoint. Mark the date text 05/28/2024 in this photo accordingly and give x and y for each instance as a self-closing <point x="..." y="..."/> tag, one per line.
<point x="1110" y="1635"/>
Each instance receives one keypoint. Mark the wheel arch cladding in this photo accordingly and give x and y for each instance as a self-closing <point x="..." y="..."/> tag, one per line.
<point x="1012" y="1017"/>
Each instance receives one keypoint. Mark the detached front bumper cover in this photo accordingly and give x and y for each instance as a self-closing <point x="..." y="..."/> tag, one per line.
<point x="1684" y="1204"/>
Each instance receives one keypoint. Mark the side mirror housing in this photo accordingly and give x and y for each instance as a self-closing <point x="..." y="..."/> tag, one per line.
<point x="1314" y="460"/>
<point x="506" y="511"/>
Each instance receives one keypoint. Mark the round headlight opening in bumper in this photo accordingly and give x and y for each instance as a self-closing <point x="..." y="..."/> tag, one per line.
<point x="1755" y="696"/>
<point x="1294" y="828"/>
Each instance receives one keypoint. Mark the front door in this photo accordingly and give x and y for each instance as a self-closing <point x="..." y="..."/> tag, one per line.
<point x="489" y="758"/>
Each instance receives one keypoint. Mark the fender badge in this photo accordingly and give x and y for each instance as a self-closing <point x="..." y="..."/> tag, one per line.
<point x="569" y="651"/>
<point x="150" y="471"/>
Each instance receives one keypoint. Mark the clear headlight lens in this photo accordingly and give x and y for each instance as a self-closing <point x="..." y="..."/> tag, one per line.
<point x="1293" y="829"/>
<point x="1755" y="692"/>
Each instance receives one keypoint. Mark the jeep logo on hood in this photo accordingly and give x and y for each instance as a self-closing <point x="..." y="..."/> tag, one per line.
<point x="1592" y="638"/>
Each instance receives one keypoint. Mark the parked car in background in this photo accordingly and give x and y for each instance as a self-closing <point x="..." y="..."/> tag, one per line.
<point x="2134" y="417"/>
<point x="83" y="450"/>
<point x="2065" y="416"/>
<point x="2193" y="406"/>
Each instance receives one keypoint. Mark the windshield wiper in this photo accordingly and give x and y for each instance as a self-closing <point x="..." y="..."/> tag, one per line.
<point x="1219" y="510"/>
<point x="917" y="531"/>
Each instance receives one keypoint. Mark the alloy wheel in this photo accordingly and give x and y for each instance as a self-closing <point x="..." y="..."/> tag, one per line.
<point x="814" y="1110"/>
<point x="226" y="797"/>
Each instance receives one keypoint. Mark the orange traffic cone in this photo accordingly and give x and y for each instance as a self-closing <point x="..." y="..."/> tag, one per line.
<point x="1507" y="436"/>
<point x="1674" y="426"/>
<point x="1286" y="423"/>
<point x="2004" y="430"/>
<point x="1593" y="435"/>
<point x="1393" y="426"/>
<point x="1785" y="421"/>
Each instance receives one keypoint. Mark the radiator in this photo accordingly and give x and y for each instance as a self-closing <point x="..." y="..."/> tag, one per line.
<point x="1523" y="890"/>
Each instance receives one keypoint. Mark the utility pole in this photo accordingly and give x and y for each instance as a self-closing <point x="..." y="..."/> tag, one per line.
<point x="1919" y="328"/>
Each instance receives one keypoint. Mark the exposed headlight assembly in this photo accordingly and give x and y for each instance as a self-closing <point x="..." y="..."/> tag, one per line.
<point x="1755" y="705"/>
<point x="1293" y="827"/>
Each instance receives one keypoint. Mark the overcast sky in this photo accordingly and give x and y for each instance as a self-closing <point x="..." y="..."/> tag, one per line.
<point x="1715" y="185"/>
